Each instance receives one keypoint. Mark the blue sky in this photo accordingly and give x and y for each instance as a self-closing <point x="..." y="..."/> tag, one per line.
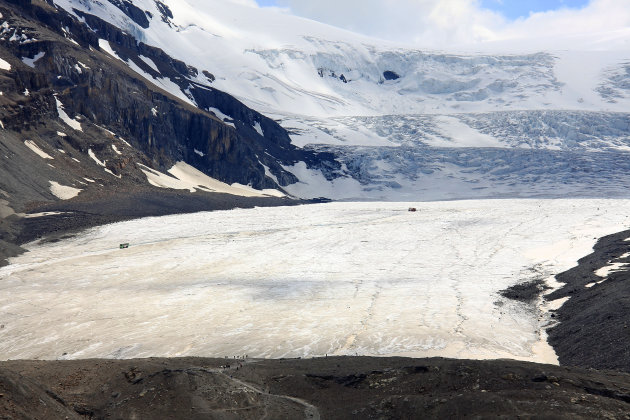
<point x="511" y="9"/>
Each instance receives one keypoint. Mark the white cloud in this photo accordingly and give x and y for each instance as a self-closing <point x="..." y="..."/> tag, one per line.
<point x="412" y="21"/>
<point x="442" y="23"/>
<point x="251" y="3"/>
<point x="598" y="16"/>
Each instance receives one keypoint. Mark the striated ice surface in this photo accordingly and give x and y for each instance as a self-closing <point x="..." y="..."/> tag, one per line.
<point x="536" y="129"/>
<point x="471" y="155"/>
<point x="340" y="278"/>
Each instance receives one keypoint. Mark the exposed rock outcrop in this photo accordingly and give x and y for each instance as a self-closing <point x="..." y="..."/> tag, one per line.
<point x="330" y="388"/>
<point x="105" y="91"/>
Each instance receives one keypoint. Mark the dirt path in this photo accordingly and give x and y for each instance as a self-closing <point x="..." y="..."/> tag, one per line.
<point x="310" y="411"/>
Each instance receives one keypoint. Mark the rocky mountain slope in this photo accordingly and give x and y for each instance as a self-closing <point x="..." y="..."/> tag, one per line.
<point x="328" y="388"/>
<point x="78" y="123"/>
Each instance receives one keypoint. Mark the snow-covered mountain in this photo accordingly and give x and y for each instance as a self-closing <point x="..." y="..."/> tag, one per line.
<point x="94" y="119"/>
<point x="404" y="122"/>
<point x="284" y="64"/>
<point x="360" y="118"/>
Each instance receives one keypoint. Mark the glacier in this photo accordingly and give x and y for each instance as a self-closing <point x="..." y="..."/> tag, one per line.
<point x="365" y="278"/>
<point x="551" y="154"/>
<point x="394" y="114"/>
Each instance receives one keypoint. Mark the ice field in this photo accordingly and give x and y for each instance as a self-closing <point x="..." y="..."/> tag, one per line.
<point x="526" y="118"/>
<point x="339" y="278"/>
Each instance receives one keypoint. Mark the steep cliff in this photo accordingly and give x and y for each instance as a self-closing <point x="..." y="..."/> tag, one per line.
<point x="58" y="61"/>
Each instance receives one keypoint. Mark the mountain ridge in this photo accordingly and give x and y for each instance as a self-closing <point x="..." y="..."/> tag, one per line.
<point x="328" y="88"/>
<point x="77" y="123"/>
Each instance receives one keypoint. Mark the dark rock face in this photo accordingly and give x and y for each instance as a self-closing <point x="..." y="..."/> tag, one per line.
<point x="594" y="324"/>
<point x="134" y="12"/>
<point x="525" y="292"/>
<point x="390" y="75"/>
<point x="209" y="76"/>
<point x="103" y="91"/>
<point x="165" y="12"/>
<point x="124" y="121"/>
<point x="329" y="388"/>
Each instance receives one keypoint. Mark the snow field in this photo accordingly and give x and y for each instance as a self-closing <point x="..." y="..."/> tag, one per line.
<point x="278" y="63"/>
<point x="340" y="278"/>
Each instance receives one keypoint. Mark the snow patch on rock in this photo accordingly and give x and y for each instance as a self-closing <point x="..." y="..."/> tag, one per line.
<point x="31" y="145"/>
<point x="31" y="61"/>
<point x="149" y="63"/>
<point x="72" y="123"/>
<point x="259" y="129"/>
<point x="4" y="65"/>
<point x="104" y="45"/>
<point x="313" y="184"/>
<point x="185" y="177"/>
<point x="96" y="159"/>
<point x="223" y="117"/>
<point x="62" y="191"/>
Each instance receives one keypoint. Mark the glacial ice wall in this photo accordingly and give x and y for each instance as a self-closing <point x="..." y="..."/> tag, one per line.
<point x="501" y="154"/>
